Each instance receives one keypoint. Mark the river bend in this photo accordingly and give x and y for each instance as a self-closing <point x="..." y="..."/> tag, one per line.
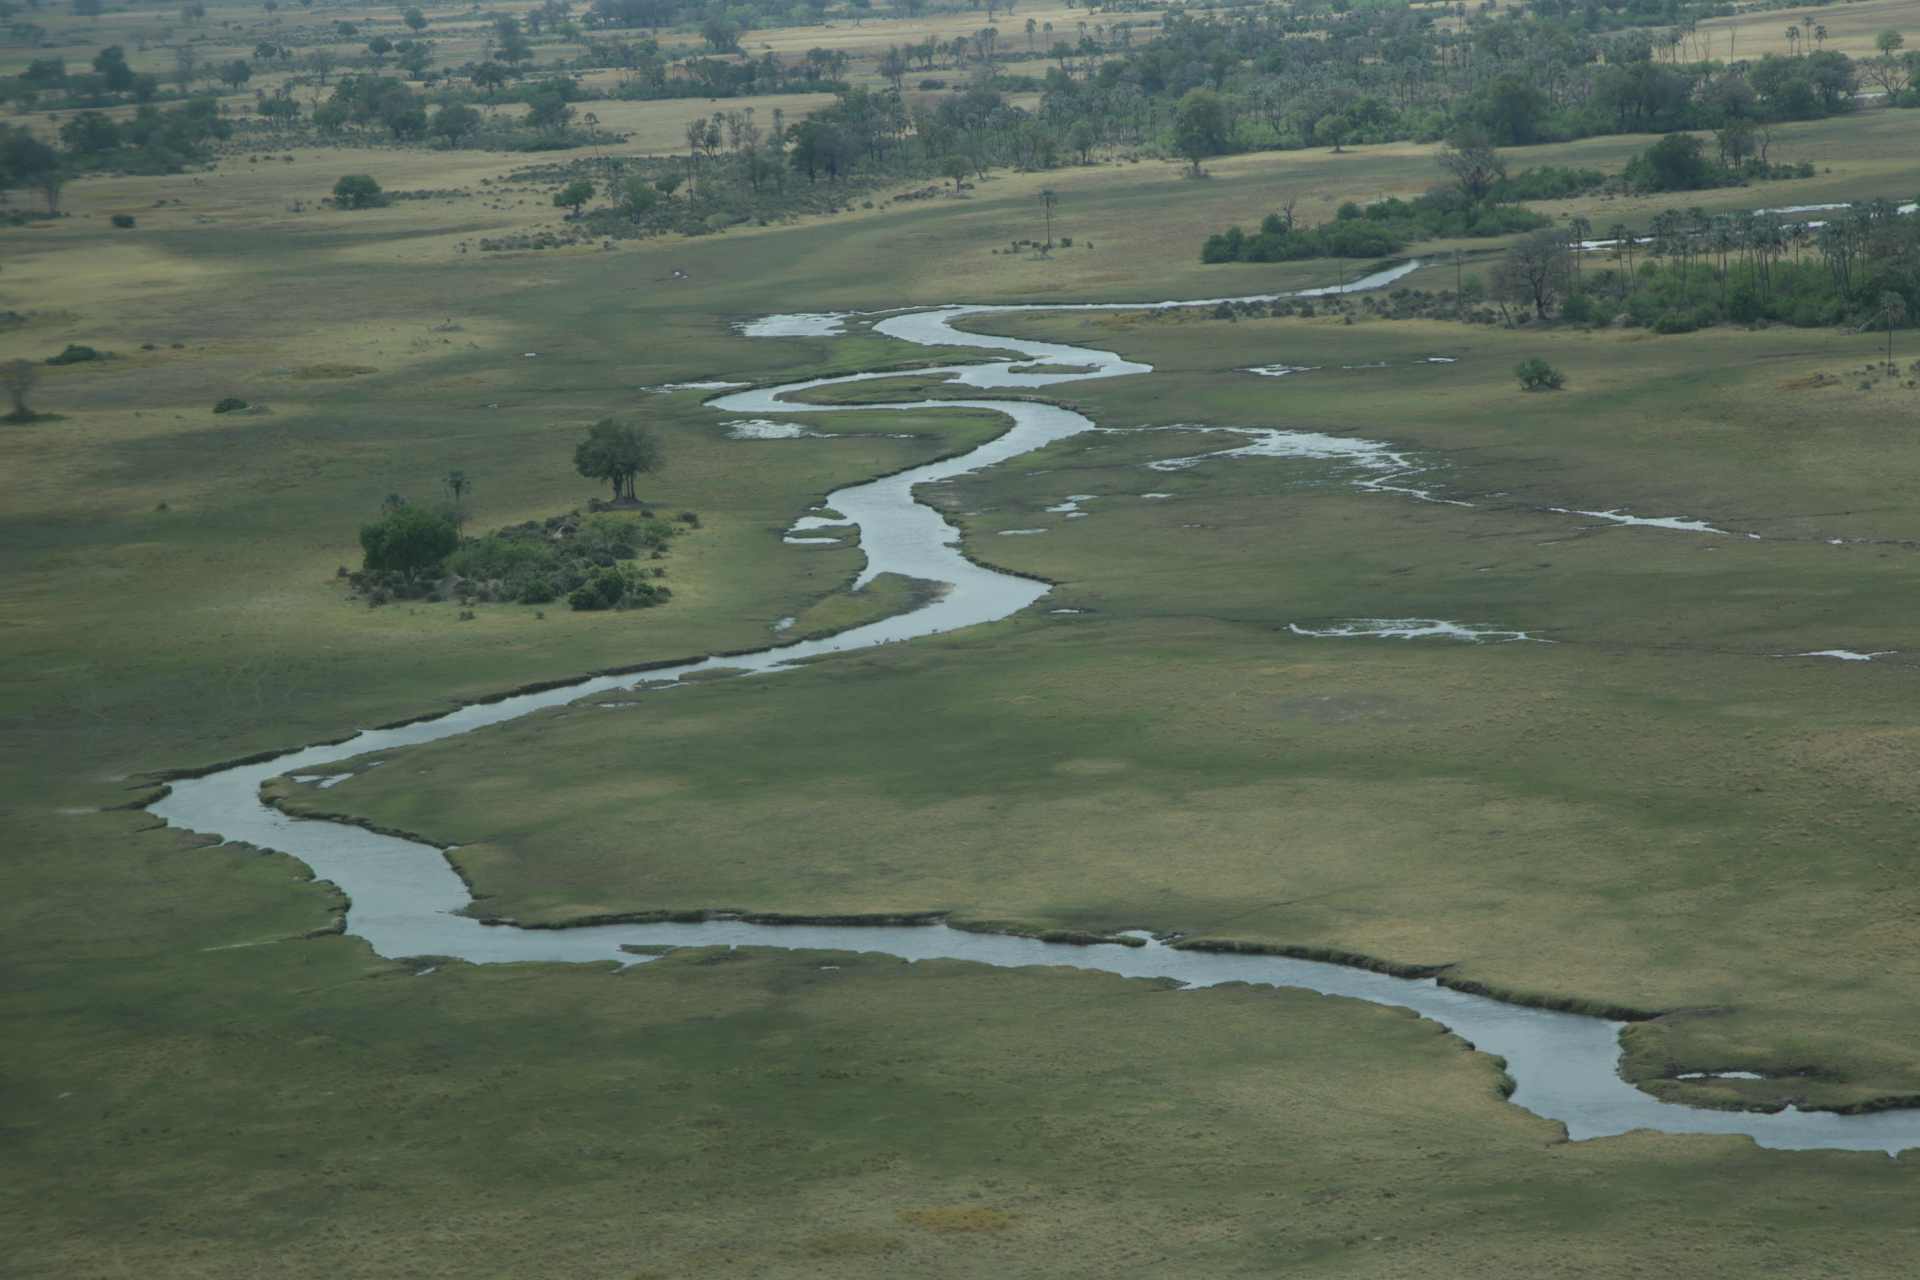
<point x="406" y="898"/>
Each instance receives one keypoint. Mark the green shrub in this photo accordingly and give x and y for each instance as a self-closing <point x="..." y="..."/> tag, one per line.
<point x="409" y="539"/>
<point x="602" y="590"/>
<point x="232" y="404"/>
<point x="74" y="354"/>
<point x="1674" y="322"/>
<point x="539" y="591"/>
<point x="122" y="220"/>
<point x="1577" y="307"/>
<point x="1536" y="374"/>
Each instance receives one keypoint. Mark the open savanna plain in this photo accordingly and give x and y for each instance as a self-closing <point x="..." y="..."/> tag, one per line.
<point x="1652" y="811"/>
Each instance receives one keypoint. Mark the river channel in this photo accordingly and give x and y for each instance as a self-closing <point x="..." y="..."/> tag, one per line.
<point x="406" y="898"/>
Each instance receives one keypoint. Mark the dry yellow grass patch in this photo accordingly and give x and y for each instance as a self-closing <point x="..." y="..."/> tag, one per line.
<point x="959" y="1222"/>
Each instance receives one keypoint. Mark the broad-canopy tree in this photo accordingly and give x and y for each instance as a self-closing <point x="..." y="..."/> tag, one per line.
<point x="357" y="191"/>
<point x="410" y="539"/>
<point x="617" y="452"/>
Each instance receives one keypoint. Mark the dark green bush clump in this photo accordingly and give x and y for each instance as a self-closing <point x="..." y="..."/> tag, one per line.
<point x="232" y="404"/>
<point x="74" y="354"/>
<point x="1536" y="374"/>
<point x="542" y="561"/>
<point x="1347" y="238"/>
<point x="122" y="220"/>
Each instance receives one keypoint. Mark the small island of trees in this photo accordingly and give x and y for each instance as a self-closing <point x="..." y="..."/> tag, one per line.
<point x="591" y="561"/>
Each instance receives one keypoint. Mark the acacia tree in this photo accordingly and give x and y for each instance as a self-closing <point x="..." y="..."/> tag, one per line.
<point x="617" y="452"/>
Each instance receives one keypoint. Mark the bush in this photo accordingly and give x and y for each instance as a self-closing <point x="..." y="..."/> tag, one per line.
<point x="602" y="590"/>
<point x="1577" y="307"/>
<point x="539" y="591"/>
<point x="1536" y="374"/>
<point x="74" y="355"/>
<point x="232" y="404"/>
<point x="1674" y="322"/>
<point x="409" y="539"/>
<point x="122" y="220"/>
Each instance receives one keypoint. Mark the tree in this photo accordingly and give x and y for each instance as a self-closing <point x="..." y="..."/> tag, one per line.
<point x="111" y="64"/>
<point x="50" y="182"/>
<point x="954" y="168"/>
<point x="489" y="76"/>
<point x="1671" y="164"/>
<point x="1201" y="117"/>
<point x="1889" y="40"/>
<point x="457" y="484"/>
<point x="321" y="62"/>
<point x="1473" y="160"/>
<point x="1534" y="270"/>
<point x="379" y="46"/>
<point x="1536" y="374"/>
<point x="19" y="377"/>
<point x="358" y="191"/>
<point x="1892" y="307"/>
<point x="410" y="539"/>
<point x="1333" y="129"/>
<point x="454" y="122"/>
<point x="415" y="20"/>
<point x="1736" y="141"/>
<point x="549" y="111"/>
<point x="1048" y="199"/>
<point x="236" y="73"/>
<point x="392" y="503"/>
<point x="573" y="196"/>
<point x="1080" y="138"/>
<point x="721" y="36"/>
<point x="617" y="452"/>
<point x="637" y="198"/>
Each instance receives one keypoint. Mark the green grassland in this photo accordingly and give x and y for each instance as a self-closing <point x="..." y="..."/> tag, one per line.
<point x="202" y="1101"/>
<point x="1659" y="810"/>
<point x="1579" y="819"/>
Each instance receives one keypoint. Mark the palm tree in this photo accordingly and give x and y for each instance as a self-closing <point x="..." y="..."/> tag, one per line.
<point x="1793" y="38"/>
<point x="1578" y="229"/>
<point x="1048" y="199"/>
<point x="1892" y="307"/>
<point x="1623" y="244"/>
<point x="458" y="484"/>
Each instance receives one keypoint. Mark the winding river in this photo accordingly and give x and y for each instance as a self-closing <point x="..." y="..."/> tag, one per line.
<point x="406" y="897"/>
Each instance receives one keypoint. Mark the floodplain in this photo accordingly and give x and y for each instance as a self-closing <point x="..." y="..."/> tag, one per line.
<point x="1665" y="797"/>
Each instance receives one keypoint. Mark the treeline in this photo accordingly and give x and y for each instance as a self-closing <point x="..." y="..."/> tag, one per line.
<point x="154" y="140"/>
<point x="1690" y="269"/>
